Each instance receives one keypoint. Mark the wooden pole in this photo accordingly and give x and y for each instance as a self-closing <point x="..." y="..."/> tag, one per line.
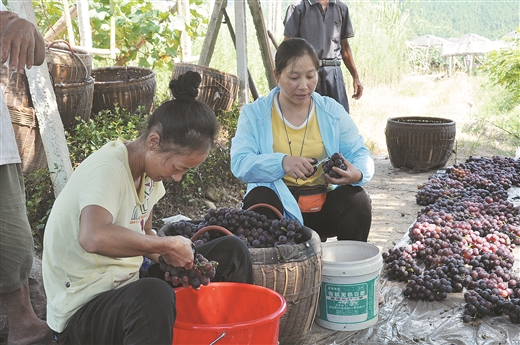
<point x="184" y="11"/>
<point x="263" y="41"/>
<point x="251" y="82"/>
<point x="85" y="32"/>
<point x="208" y="47"/>
<point x="112" y="31"/>
<point x="241" y="51"/>
<point x="49" y="120"/>
<point x="68" y="21"/>
<point x="60" y="25"/>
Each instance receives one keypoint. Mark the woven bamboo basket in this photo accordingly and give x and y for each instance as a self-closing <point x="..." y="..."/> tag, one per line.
<point x="218" y="89"/>
<point x="67" y="64"/>
<point x="131" y="88"/>
<point x="294" y="271"/>
<point x="16" y="88"/>
<point x="74" y="100"/>
<point x="419" y="143"/>
<point x="28" y="139"/>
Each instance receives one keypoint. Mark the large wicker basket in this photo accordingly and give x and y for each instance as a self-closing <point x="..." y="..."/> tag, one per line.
<point x="74" y="100"/>
<point x="66" y="64"/>
<point x="419" y="143"/>
<point x="15" y="88"/>
<point x="294" y="271"/>
<point x="218" y="89"/>
<point x="131" y="88"/>
<point x="28" y="139"/>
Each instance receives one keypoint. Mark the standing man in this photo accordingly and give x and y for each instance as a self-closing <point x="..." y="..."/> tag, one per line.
<point x="23" y="45"/>
<point x="326" y="25"/>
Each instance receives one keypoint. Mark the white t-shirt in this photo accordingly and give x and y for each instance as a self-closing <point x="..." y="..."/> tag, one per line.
<point x="8" y="150"/>
<point x="71" y="276"/>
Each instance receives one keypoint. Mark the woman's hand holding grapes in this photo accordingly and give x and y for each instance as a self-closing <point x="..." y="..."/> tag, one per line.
<point x="180" y="254"/>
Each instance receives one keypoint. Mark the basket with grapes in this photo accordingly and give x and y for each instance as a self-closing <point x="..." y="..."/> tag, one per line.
<point x="286" y="258"/>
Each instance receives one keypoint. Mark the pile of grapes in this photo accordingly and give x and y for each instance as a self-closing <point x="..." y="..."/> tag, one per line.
<point x="200" y="274"/>
<point x="334" y="161"/>
<point x="463" y="239"/>
<point x="254" y="229"/>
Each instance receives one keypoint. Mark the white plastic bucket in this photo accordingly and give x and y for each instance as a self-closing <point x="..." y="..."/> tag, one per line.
<point x="350" y="286"/>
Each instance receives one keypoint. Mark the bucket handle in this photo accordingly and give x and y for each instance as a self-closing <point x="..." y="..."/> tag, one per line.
<point x="72" y="53"/>
<point x="208" y="228"/>
<point x="269" y="206"/>
<point x="219" y="337"/>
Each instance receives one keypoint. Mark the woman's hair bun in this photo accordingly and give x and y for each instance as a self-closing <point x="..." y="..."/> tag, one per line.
<point x="186" y="86"/>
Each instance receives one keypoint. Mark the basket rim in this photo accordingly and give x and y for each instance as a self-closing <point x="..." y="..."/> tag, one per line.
<point x="150" y="75"/>
<point x="423" y="120"/>
<point x="205" y="68"/>
<point x="85" y="82"/>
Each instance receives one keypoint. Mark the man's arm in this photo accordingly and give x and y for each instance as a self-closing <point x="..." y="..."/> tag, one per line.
<point x="348" y="59"/>
<point x="21" y="42"/>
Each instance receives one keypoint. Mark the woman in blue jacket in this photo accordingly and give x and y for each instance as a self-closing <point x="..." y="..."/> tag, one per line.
<point x="281" y="137"/>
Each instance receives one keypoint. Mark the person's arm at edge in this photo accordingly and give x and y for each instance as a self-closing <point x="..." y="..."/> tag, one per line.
<point x="23" y="50"/>
<point x="348" y="59"/>
<point x="98" y="235"/>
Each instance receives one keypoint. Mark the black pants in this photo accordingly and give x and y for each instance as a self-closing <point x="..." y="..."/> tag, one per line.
<point x="332" y="84"/>
<point x="143" y="312"/>
<point x="347" y="212"/>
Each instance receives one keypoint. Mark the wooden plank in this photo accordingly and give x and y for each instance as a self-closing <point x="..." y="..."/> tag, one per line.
<point x="241" y="50"/>
<point x="184" y="11"/>
<point x="68" y="21"/>
<point x="85" y="32"/>
<point x="49" y="120"/>
<point x="263" y="41"/>
<point x="211" y="37"/>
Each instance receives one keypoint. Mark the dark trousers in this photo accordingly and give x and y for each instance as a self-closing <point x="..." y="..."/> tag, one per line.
<point x="332" y="84"/>
<point x="347" y="212"/>
<point x="143" y="312"/>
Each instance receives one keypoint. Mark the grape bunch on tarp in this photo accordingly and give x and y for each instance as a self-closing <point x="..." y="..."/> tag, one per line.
<point x="463" y="239"/>
<point x="254" y="229"/>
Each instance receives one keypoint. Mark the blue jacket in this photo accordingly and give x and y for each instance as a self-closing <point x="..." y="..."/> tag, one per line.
<point x="254" y="162"/>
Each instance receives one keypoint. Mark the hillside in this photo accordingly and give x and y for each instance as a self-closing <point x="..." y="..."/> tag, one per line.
<point x="492" y="18"/>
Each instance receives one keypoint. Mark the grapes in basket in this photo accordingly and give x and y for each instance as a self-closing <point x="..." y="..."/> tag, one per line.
<point x="201" y="273"/>
<point x="335" y="161"/>
<point x="254" y="229"/>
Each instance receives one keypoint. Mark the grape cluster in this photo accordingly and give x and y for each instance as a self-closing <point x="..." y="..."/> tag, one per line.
<point x="254" y="229"/>
<point x="200" y="274"/>
<point x="463" y="239"/>
<point x="335" y="161"/>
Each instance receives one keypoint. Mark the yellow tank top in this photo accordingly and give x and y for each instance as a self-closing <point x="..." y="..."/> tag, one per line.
<point x="304" y="141"/>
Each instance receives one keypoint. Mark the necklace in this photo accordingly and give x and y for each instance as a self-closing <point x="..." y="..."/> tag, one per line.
<point x="287" y="133"/>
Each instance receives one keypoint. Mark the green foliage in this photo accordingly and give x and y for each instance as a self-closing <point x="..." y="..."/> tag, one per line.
<point x="88" y="136"/>
<point x="491" y="19"/>
<point x="503" y="68"/>
<point x="147" y="32"/>
<point x="40" y="197"/>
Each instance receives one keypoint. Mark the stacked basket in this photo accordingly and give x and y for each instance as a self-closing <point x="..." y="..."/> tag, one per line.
<point x="218" y="89"/>
<point x="70" y="71"/>
<point x="126" y="87"/>
<point x="23" y="119"/>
